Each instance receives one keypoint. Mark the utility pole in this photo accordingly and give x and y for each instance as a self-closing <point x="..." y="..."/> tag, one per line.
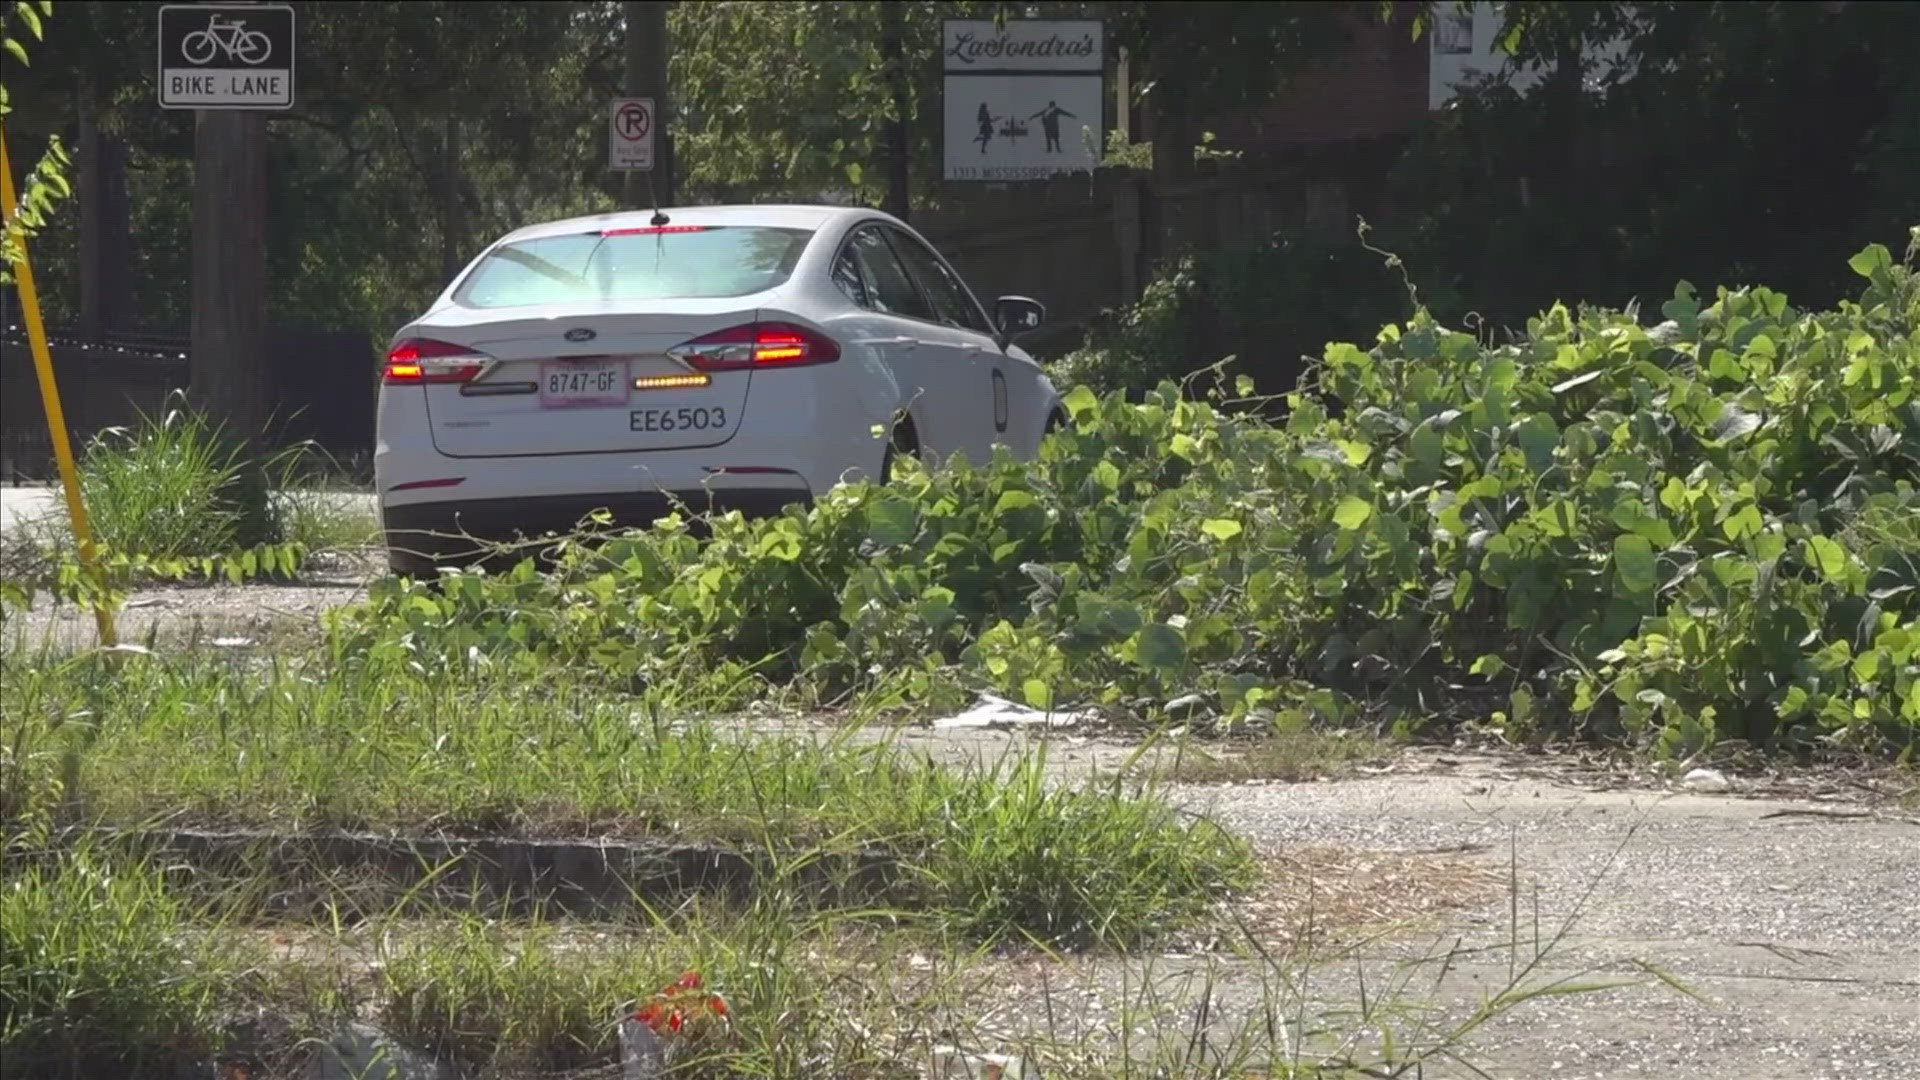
<point x="646" y="76"/>
<point x="226" y="377"/>
<point x="453" y="221"/>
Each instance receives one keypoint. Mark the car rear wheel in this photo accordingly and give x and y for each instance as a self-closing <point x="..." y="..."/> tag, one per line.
<point x="412" y="564"/>
<point x="904" y="442"/>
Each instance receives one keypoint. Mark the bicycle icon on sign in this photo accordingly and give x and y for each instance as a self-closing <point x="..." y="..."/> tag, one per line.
<point x="231" y="38"/>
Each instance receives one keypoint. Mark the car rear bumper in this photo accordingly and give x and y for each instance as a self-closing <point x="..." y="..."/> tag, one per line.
<point x="459" y="530"/>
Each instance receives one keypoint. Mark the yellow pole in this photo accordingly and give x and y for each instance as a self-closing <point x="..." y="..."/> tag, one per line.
<point x="56" y="416"/>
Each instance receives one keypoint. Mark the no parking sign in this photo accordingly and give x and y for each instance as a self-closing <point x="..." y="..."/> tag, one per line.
<point x="630" y="135"/>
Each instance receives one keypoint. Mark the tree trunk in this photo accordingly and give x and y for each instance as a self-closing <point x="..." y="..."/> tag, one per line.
<point x="1566" y="105"/>
<point x="226" y="376"/>
<point x="893" y="56"/>
<point x="86" y="152"/>
<point x="646" y="76"/>
<point x="106" y="242"/>
<point x="1168" y="128"/>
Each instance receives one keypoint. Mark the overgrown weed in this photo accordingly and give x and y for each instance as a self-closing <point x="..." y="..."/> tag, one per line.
<point x="1674" y="536"/>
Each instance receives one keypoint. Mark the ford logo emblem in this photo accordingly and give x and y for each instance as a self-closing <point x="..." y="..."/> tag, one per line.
<point x="581" y="334"/>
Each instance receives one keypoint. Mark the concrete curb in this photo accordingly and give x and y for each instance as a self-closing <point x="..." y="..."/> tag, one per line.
<point x="575" y="877"/>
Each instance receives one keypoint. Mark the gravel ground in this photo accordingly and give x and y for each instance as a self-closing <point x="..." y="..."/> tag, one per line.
<point x="1798" y="928"/>
<point x="1799" y="932"/>
<point x="175" y="615"/>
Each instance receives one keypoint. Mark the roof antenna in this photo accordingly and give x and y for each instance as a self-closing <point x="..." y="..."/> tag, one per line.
<point x="658" y="218"/>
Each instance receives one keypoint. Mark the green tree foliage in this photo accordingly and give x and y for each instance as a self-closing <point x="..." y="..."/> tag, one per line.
<point x="366" y="198"/>
<point x="1755" y="141"/>
<point x="1203" y="59"/>
<point x="1736" y="143"/>
<point x="792" y="99"/>
<point x="45" y="182"/>
<point x="1740" y="142"/>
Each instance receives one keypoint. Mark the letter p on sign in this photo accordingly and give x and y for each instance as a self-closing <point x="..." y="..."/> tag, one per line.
<point x="630" y="135"/>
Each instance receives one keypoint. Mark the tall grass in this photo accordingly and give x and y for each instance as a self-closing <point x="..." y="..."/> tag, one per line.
<point x="801" y="993"/>
<point x="106" y="972"/>
<point x="93" y="968"/>
<point x="175" y="486"/>
<point x="315" y="746"/>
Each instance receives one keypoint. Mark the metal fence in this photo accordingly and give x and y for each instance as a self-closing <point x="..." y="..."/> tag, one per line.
<point x="322" y="386"/>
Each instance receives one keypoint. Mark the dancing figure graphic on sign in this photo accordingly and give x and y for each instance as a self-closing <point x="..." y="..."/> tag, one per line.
<point x="1049" y="118"/>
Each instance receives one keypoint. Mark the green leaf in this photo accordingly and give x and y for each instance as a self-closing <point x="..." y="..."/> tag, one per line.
<point x="1427" y="447"/>
<point x="1828" y="557"/>
<point x="1014" y="500"/>
<point x="782" y="546"/>
<point x="1220" y="528"/>
<point x="1038" y="694"/>
<point x="1107" y="475"/>
<point x="1243" y="385"/>
<point x="1675" y="495"/>
<point x="1634" y="566"/>
<point x="1744" y="522"/>
<point x="18" y="50"/>
<point x="1873" y="259"/>
<point x="1160" y="647"/>
<point x="1793" y="704"/>
<point x="890" y="521"/>
<point x="1684" y="308"/>
<point x="1562" y="518"/>
<point x="1489" y="665"/>
<point x="1539" y="436"/>
<point x="1866" y="666"/>
<point x="1080" y="402"/>
<point x="1352" y="513"/>
<point x="1523" y="703"/>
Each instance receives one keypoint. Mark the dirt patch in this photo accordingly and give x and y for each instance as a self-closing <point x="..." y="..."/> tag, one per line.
<point x="1330" y="896"/>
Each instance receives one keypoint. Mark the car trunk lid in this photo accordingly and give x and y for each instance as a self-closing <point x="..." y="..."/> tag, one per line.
<point x="586" y="379"/>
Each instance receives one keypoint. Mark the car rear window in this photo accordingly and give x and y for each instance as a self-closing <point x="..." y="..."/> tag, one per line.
<point x="683" y="262"/>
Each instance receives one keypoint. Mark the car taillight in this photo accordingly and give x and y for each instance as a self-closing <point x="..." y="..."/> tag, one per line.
<point x="423" y="360"/>
<point x="757" y="345"/>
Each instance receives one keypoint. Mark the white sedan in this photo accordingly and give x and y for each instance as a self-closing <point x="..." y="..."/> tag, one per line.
<point x="730" y="357"/>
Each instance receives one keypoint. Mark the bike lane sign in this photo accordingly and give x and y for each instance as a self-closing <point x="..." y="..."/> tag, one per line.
<point x="226" y="56"/>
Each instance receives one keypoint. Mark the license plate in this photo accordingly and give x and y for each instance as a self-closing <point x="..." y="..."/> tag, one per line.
<point x="678" y="418"/>
<point x="573" y="384"/>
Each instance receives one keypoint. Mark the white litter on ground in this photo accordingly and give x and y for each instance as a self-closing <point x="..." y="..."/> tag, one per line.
<point x="994" y="712"/>
<point x="1706" y="780"/>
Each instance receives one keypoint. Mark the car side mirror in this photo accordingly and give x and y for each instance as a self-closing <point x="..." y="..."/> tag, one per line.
<point x="1018" y="315"/>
